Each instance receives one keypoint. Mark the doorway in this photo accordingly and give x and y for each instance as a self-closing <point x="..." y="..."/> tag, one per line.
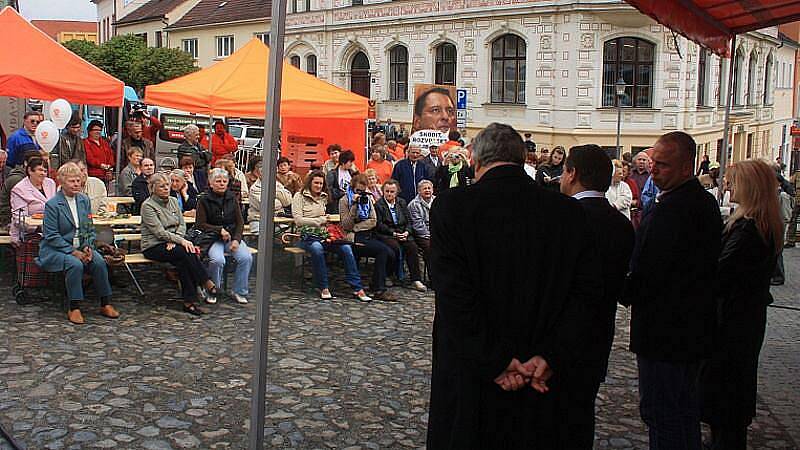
<point x="359" y="75"/>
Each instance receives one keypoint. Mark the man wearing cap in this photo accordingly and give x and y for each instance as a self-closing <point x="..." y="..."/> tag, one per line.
<point x="530" y="146"/>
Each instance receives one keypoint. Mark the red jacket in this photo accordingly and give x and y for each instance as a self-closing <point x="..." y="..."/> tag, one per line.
<point x="97" y="154"/>
<point x="222" y="147"/>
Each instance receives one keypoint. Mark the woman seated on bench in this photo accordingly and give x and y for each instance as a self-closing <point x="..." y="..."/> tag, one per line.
<point x="218" y="212"/>
<point x="163" y="229"/>
<point x="184" y="192"/>
<point x="358" y="220"/>
<point x="29" y="196"/>
<point x="68" y="244"/>
<point x="308" y="209"/>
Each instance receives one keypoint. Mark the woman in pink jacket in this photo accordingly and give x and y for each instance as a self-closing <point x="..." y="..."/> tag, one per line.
<point x="29" y="196"/>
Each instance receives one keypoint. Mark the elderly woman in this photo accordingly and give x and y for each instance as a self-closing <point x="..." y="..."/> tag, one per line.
<point x="68" y="244"/>
<point x="94" y="188"/>
<point x="454" y="172"/>
<point x="163" y="229"/>
<point x="619" y="193"/>
<point x="183" y="191"/>
<point x="191" y="147"/>
<point x="420" y="210"/>
<point x="358" y="220"/>
<point x="131" y="171"/>
<point x="308" y="209"/>
<point x="99" y="156"/>
<point x="218" y="212"/>
<point x="283" y="199"/>
<point x="234" y="184"/>
<point x="29" y="196"/>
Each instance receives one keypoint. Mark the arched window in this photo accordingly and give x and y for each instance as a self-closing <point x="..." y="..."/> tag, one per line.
<point x="702" y="67"/>
<point x="311" y="64"/>
<point x="738" y="73"/>
<point x="398" y="73"/>
<point x="768" y="80"/>
<point x="295" y="61"/>
<point x="508" y="69"/>
<point x="359" y="75"/>
<point x="446" y="63"/>
<point x="752" y="66"/>
<point x="632" y="60"/>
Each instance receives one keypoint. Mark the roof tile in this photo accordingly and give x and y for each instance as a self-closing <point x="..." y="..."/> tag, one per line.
<point x="221" y="11"/>
<point x="154" y="9"/>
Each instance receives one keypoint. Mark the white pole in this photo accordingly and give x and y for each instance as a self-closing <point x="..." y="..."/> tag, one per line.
<point x="723" y="161"/>
<point x="267" y="225"/>
<point x="119" y="147"/>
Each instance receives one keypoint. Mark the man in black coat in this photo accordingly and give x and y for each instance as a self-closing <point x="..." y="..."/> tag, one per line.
<point x="587" y="176"/>
<point x="410" y="171"/>
<point x="670" y="290"/>
<point x="139" y="188"/>
<point x="516" y="278"/>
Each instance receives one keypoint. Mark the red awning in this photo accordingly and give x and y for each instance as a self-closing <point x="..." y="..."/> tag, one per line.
<point x="712" y="23"/>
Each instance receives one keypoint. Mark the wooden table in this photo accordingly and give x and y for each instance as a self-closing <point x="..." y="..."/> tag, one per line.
<point x="116" y="221"/>
<point x="333" y="218"/>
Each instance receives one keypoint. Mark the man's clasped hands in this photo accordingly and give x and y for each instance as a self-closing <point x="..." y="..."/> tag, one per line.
<point x="534" y="372"/>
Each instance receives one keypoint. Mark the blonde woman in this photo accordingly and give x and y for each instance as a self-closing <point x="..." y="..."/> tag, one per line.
<point x="619" y="193"/>
<point x="373" y="184"/>
<point x="68" y="244"/>
<point x="752" y="239"/>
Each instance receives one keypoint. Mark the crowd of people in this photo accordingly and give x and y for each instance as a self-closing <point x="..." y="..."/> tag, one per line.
<point x="529" y="252"/>
<point x="528" y="281"/>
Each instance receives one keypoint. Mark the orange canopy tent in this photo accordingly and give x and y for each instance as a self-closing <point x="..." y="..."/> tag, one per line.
<point x="32" y="65"/>
<point x="237" y="86"/>
<point x="314" y="113"/>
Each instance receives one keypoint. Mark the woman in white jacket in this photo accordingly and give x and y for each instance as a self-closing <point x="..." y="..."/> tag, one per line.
<point x="619" y="194"/>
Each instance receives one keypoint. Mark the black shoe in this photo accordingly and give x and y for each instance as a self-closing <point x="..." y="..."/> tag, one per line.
<point x="775" y="282"/>
<point x="194" y="309"/>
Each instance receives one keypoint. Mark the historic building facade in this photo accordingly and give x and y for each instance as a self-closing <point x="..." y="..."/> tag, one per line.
<point x="544" y="66"/>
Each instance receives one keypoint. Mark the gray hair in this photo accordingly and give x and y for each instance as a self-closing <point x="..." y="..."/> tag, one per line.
<point x="178" y="173"/>
<point x="191" y="129"/>
<point x="423" y="183"/>
<point x="498" y="143"/>
<point x="155" y="180"/>
<point x="217" y="173"/>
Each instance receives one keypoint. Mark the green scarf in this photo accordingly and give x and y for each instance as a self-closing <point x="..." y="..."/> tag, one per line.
<point x="453" y="171"/>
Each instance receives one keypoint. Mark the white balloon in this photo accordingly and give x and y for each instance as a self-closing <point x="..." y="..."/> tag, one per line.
<point x="47" y="135"/>
<point x="60" y="113"/>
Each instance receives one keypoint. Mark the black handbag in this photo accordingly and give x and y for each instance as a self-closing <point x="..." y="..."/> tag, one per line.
<point x="202" y="239"/>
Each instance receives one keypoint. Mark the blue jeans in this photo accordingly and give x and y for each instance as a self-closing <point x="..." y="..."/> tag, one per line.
<point x="320" y="269"/>
<point x="73" y="276"/>
<point x="216" y="264"/>
<point x="669" y="404"/>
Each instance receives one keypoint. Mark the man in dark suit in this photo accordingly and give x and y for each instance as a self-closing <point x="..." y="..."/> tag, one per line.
<point x="587" y="176"/>
<point x="669" y="288"/>
<point x="433" y="160"/>
<point x="515" y="271"/>
<point x="410" y="171"/>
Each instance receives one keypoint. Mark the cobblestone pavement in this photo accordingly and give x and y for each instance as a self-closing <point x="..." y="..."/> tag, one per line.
<point x="342" y="374"/>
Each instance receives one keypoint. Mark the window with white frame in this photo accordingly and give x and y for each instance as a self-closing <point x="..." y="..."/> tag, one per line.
<point x="190" y="46"/>
<point x="768" y="80"/>
<point x="752" y="73"/>
<point x="311" y="65"/>
<point x="224" y="46"/>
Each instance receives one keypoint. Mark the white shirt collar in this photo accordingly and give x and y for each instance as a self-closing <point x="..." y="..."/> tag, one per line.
<point x="589" y="194"/>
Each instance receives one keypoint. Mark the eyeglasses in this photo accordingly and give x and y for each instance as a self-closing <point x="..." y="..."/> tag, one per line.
<point x="35" y="121"/>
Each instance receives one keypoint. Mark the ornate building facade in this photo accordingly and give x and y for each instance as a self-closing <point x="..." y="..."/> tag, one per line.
<point x="544" y="66"/>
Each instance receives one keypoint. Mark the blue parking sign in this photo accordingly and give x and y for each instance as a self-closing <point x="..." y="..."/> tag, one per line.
<point x="461" y="99"/>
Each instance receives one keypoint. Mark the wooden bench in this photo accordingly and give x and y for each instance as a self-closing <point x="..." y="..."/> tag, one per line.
<point x="5" y="240"/>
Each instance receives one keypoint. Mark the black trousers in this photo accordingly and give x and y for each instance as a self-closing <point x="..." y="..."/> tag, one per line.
<point x="575" y="406"/>
<point x="190" y="270"/>
<point x="385" y="261"/>
<point x="411" y="253"/>
<point x="728" y="438"/>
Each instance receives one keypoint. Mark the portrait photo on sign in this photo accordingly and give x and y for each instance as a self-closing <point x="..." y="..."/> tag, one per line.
<point x="434" y="108"/>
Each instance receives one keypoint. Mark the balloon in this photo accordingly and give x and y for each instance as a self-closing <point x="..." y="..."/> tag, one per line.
<point x="60" y="113"/>
<point x="47" y="135"/>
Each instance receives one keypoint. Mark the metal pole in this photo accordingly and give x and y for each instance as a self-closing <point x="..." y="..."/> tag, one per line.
<point x="619" y="126"/>
<point x="267" y="224"/>
<point x="723" y="161"/>
<point x="119" y="145"/>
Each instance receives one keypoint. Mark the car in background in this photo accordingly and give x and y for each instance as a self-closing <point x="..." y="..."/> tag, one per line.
<point x="246" y="135"/>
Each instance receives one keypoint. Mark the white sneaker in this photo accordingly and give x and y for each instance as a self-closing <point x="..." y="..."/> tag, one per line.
<point x="419" y="286"/>
<point x="210" y="298"/>
<point x="241" y="299"/>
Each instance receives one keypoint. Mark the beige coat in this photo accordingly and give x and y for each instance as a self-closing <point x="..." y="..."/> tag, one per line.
<point x="308" y="211"/>
<point x="283" y="198"/>
<point x="349" y="218"/>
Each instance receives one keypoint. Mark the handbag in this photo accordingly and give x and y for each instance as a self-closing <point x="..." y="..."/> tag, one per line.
<point x="113" y="256"/>
<point x="202" y="239"/>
